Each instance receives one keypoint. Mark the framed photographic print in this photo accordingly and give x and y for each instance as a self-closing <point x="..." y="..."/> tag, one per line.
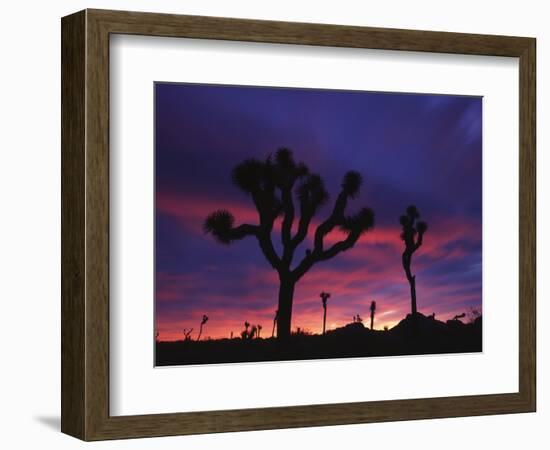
<point x="252" y="208"/>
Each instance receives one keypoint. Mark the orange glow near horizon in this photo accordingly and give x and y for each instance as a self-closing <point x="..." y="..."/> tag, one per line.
<point x="351" y="288"/>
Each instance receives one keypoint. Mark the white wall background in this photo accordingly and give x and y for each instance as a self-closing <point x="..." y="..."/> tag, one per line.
<point x="30" y="222"/>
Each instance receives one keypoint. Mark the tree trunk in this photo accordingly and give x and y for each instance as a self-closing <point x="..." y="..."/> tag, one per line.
<point x="412" y="282"/>
<point x="286" y="294"/>
<point x="200" y="332"/>
<point x="324" y="319"/>
<point x="411" y="279"/>
<point x="371" y="321"/>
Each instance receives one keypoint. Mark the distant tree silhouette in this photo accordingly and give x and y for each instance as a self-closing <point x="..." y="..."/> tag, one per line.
<point x="259" y="330"/>
<point x="203" y="321"/>
<point x="253" y="332"/>
<point x="187" y="334"/>
<point x="324" y="297"/>
<point x="372" y="311"/>
<point x="412" y="235"/>
<point x="244" y="333"/>
<point x="274" y="322"/>
<point x="273" y="185"/>
<point x="157" y="336"/>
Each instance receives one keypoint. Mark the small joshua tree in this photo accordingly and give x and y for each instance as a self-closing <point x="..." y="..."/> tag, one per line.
<point x="187" y="334"/>
<point x="157" y="337"/>
<point x="274" y="322"/>
<point x="412" y="235"/>
<point x="259" y="330"/>
<point x="253" y="332"/>
<point x="324" y="297"/>
<point x="203" y="321"/>
<point x="281" y="187"/>
<point x="372" y="311"/>
<point x="244" y="333"/>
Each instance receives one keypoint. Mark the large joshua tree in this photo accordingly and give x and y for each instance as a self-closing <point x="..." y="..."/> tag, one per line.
<point x="412" y="235"/>
<point x="281" y="187"/>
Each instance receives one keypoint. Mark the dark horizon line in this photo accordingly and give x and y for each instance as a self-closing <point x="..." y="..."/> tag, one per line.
<point x="306" y="333"/>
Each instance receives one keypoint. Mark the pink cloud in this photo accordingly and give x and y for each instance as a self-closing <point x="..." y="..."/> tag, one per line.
<point x="373" y="272"/>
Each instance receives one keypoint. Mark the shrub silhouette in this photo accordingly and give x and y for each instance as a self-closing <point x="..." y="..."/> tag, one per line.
<point x="459" y="316"/>
<point x="324" y="297"/>
<point x="412" y="235"/>
<point x="203" y="321"/>
<point x="372" y="311"/>
<point x="473" y="315"/>
<point x="273" y="186"/>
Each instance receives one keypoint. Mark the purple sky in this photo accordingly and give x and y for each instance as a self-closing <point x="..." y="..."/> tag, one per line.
<point x="411" y="149"/>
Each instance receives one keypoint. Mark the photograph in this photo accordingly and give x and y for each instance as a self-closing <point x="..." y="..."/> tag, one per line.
<point x="302" y="224"/>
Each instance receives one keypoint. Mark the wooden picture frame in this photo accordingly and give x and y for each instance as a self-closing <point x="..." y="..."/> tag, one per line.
<point x="85" y="224"/>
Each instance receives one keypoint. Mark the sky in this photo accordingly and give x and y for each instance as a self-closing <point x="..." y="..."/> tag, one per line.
<point x="416" y="149"/>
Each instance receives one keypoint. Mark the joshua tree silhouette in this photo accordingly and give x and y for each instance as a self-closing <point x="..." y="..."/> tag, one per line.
<point x="203" y="321"/>
<point x="259" y="330"/>
<point x="274" y="322"/>
<point x="272" y="185"/>
<point x="244" y="333"/>
<point x="412" y="235"/>
<point x="372" y="311"/>
<point x="324" y="297"/>
<point x="187" y="334"/>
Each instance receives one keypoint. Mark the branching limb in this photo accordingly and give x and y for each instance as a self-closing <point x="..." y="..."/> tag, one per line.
<point x="312" y="195"/>
<point x="286" y="226"/>
<point x="354" y="225"/>
<point x="221" y="225"/>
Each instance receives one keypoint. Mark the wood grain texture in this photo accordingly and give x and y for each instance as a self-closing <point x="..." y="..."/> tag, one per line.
<point x="527" y="224"/>
<point x="73" y="227"/>
<point x="85" y="224"/>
